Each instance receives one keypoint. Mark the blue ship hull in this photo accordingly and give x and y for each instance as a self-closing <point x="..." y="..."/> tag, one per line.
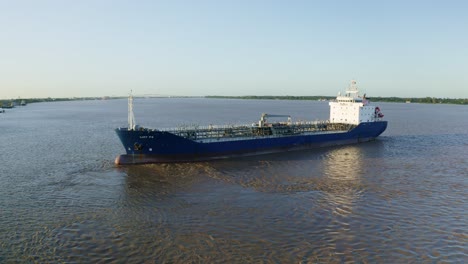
<point x="152" y="146"/>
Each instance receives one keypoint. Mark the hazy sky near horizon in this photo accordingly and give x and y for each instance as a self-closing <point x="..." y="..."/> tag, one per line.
<point x="234" y="47"/>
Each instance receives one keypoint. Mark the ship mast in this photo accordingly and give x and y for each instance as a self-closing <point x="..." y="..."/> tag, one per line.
<point x="131" y="116"/>
<point x="352" y="90"/>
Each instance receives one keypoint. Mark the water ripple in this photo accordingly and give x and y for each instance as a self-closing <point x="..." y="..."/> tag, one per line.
<point x="401" y="199"/>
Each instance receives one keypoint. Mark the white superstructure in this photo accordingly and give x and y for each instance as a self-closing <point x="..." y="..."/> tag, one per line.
<point x="352" y="108"/>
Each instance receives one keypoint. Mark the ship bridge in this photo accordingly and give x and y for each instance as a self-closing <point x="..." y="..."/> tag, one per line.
<point x="351" y="108"/>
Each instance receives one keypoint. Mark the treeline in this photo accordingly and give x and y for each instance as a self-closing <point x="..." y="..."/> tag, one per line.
<point x="274" y="97"/>
<point x="424" y="100"/>
<point x="16" y="102"/>
<point x="49" y="99"/>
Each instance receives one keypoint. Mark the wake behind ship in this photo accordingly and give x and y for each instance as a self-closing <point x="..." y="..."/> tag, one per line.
<point x="352" y="119"/>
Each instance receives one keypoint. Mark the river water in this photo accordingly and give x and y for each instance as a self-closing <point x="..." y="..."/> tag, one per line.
<point x="400" y="199"/>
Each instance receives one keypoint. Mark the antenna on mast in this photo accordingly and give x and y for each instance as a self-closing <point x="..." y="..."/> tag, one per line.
<point x="131" y="116"/>
<point x="353" y="86"/>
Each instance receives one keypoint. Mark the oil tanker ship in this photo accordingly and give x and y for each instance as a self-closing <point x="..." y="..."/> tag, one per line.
<point x="353" y="119"/>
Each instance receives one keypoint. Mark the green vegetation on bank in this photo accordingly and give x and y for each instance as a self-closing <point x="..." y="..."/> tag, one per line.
<point x="49" y="99"/>
<point x="16" y="102"/>
<point x="274" y="97"/>
<point x="425" y="100"/>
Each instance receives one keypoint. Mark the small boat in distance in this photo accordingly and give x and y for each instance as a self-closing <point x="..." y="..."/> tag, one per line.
<point x="8" y="105"/>
<point x="352" y="119"/>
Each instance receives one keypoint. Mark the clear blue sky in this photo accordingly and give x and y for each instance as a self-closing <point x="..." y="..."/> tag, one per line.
<point x="194" y="47"/>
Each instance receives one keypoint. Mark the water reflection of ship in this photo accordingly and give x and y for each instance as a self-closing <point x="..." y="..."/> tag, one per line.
<point x="344" y="164"/>
<point x="337" y="173"/>
<point x="343" y="169"/>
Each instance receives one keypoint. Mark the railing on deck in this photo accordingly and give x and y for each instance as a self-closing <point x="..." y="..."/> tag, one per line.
<point x="195" y="132"/>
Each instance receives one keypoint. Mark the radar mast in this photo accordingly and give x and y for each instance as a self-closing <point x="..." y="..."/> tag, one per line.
<point x="352" y="89"/>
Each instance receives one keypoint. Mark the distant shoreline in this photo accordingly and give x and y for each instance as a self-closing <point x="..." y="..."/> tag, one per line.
<point x="424" y="100"/>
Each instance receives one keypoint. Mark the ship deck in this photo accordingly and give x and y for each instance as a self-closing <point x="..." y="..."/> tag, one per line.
<point x="241" y="132"/>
